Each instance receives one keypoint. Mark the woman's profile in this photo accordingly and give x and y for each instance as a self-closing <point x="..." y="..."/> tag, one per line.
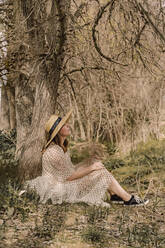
<point x="61" y="181"/>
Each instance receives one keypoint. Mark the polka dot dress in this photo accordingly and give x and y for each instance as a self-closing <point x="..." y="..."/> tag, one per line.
<point x="56" y="168"/>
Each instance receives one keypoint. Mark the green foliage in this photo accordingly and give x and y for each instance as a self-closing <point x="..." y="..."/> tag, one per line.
<point x="114" y="163"/>
<point x="77" y="157"/>
<point x="8" y="164"/>
<point x="41" y="235"/>
<point x="28" y="243"/>
<point x="142" y="235"/>
<point x="12" y="205"/>
<point x="96" y="214"/>
<point x="7" y="139"/>
<point x="111" y="147"/>
<point x="95" y="235"/>
<point x="151" y="153"/>
<point x="99" y="227"/>
<point x="94" y="232"/>
<point x="140" y="165"/>
<point x="53" y="221"/>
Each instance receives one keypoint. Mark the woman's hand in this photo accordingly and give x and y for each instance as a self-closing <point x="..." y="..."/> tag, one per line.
<point x="97" y="166"/>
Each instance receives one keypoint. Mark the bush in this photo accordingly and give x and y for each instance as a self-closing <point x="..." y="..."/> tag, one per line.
<point x="8" y="163"/>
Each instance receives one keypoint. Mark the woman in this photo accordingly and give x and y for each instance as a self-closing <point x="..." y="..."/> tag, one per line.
<point x="61" y="182"/>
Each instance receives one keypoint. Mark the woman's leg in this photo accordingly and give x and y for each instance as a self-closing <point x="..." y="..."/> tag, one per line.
<point x="115" y="188"/>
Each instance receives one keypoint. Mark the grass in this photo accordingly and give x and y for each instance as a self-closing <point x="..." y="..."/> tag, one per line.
<point x="95" y="235"/>
<point x="25" y="223"/>
<point x="141" y="167"/>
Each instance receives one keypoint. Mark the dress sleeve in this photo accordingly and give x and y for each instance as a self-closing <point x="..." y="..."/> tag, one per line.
<point x="56" y="164"/>
<point x="54" y="156"/>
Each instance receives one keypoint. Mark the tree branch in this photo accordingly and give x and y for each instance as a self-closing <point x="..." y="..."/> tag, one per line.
<point x="148" y="19"/>
<point x="139" y="34"/>
<point x="98" y="17"/>
<point x="71" y="84"/>
<point x="65" y="74"/>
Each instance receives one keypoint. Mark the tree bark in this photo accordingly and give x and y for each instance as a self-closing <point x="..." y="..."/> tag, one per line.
<point x="39" y="66"/>
<point x="5" y="121"/>
<point x="30" y="156"/>
<point x="11" y="103"/>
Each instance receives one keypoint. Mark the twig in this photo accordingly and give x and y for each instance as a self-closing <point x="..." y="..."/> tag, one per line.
<point x="98" y="17"/>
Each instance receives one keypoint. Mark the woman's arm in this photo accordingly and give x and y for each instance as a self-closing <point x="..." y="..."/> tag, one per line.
<point x="83" y="171"/>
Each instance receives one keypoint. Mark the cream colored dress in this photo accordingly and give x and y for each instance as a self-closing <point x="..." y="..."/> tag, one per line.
<point x="56" y="168"/>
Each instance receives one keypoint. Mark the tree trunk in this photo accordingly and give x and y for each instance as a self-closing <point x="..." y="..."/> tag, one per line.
<point x="24" y="99"/>
<point x="5" y="121"/>
<point x="11" y="102"/>
<point x="39" y="65"/>
<point x="30" y="157"/>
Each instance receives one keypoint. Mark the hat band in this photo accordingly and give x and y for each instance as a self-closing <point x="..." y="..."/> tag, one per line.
<point x="55" y="125"/>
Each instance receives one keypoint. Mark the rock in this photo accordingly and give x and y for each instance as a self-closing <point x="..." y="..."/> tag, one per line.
<point x="1" y="222"/>
<point x="10" y="211"/>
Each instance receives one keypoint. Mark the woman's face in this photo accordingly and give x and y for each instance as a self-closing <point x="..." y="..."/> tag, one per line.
<point x="65" y="130"/>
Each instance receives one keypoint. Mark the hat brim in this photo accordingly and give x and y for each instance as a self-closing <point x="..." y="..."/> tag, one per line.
<point x="59" y="126"/>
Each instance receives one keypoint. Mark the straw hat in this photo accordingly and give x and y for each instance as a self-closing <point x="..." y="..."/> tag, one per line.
<point x="54" y="124"/>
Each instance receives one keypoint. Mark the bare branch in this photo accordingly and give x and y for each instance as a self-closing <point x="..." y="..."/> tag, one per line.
<point x="71" y="84"/>
<point x="98" y="17"/>
<point x="139" y="34"/>
<point x="148" y="19"/>
<point x="5" y="4"/>
<point x="81" y="69"/>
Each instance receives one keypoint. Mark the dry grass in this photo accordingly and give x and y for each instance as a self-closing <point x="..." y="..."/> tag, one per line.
<point x="26" y="223"/>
